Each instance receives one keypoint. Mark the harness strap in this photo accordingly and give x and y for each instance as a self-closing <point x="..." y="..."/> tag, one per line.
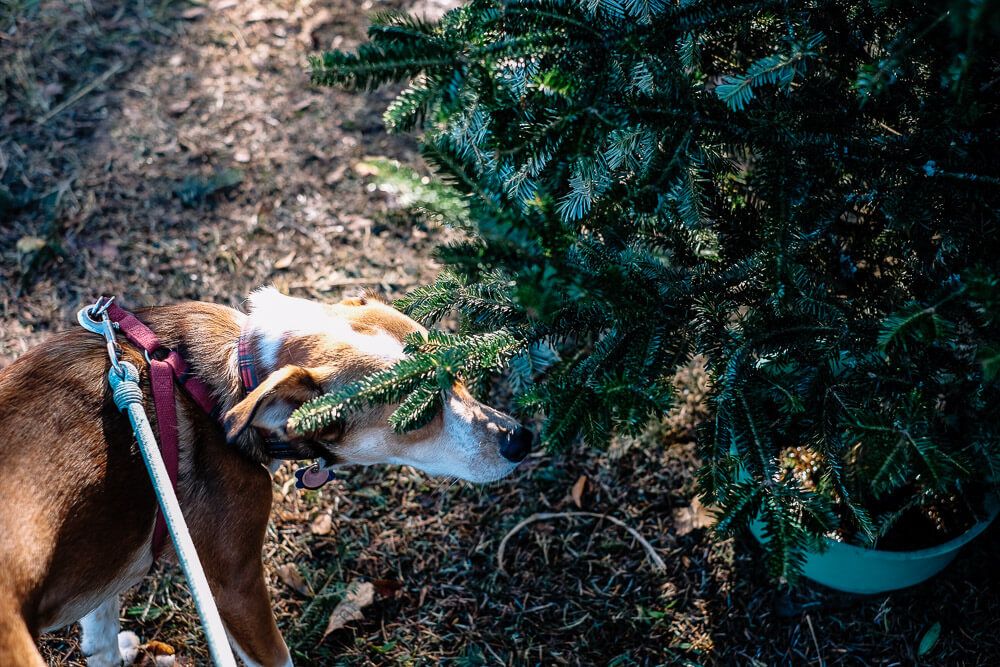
<point x="161" y="377"/>
<point x="142" y="336"/>
<point x="165" y="367"/>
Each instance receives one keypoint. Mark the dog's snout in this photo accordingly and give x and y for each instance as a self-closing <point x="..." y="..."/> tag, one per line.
<point x="516" y="444"/>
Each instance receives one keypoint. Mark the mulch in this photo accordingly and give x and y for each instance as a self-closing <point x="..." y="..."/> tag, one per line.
<point x="166" y="151"/>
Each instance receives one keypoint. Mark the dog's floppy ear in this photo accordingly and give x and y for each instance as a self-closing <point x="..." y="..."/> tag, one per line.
<point x="269" y="405"/>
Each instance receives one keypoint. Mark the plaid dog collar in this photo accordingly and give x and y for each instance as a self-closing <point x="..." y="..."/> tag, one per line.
<point x="246" y="362"/>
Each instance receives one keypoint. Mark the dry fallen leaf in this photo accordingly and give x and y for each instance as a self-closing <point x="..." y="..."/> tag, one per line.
<point x="578" y="489"/>
<point x="169" y="147"/>
<point x="156" y="654"/>
<point x="929" y="639"/>
<point x="285" y="261"/>
<point x="312" y="24"/>
<point x="365" y="169"/>
<point x="359" y="595"/>
<point x="336" y="175"/>
<point x="51" y="90"/>
<point x="159" y="648"/>
<point x="692" y="517"/>
<point x="179" y="107"/>
<point x="290" y="575"/>
<point x="322" y="525"/>
<point x="107" y="251"/>
<point x="266" y="14"/>
<point x="264" y="210"/>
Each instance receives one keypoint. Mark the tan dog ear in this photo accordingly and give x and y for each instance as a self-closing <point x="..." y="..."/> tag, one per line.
<point x="269" y="406"/>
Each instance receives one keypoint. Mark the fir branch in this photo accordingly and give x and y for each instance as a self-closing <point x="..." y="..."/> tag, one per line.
<point x="616" y="217"/>
<point x="779" y="70"/>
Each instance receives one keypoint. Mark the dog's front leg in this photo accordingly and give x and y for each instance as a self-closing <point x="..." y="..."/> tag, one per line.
<point x="229" y="522"/>
<point x="102" y="644"/>
<point x="245" y="607"/>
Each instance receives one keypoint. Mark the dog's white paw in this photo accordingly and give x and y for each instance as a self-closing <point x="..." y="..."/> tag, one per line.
<point x="128" y="646"/>
<point x="164" y="661"/>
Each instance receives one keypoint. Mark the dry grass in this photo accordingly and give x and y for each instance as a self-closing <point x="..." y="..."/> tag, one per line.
<point x="142" y="106"/>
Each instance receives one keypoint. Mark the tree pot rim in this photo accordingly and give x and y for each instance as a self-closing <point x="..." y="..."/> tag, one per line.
<point x="857" y="569"/>
<point x="864" y="570"/>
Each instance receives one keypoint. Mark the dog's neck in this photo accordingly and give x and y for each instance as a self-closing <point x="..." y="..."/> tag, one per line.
<point x="207" y="336"/>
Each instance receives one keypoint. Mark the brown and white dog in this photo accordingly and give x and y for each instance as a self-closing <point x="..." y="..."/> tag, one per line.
<point x="77" y="508"/>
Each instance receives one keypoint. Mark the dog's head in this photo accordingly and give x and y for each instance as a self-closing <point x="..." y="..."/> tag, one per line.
<point x="304" y="349"/>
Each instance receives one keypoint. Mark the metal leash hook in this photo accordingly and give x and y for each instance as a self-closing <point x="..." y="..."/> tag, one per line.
<point x="124" y="380"/>
<point x="95" y="319"/>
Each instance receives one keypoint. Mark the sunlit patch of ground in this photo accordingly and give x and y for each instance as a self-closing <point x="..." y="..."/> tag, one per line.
<point x="168" y="150"/>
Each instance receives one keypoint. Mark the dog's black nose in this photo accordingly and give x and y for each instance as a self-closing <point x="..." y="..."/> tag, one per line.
<point x="514" y="446"/>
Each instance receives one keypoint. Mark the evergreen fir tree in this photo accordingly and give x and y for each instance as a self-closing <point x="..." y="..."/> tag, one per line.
<point x="807" y="193"/>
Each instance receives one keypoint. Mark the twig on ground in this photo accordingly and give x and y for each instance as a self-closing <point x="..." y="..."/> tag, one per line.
<point x="82" y="92"/>
<point x="819" y="654"/>
<point x="658" y="564"/>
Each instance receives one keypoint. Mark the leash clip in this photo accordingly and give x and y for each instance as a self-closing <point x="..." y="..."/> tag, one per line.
<point x="95" y="319"/>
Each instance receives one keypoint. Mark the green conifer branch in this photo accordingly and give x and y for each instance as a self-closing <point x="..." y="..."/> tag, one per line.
<point x="641" y="181"/>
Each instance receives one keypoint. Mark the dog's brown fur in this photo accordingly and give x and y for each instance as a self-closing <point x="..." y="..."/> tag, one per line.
<point x="78" y="509"/>
<point x="84" y="504"/>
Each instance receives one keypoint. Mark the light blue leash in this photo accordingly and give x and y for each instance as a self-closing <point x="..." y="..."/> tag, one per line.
<point x="124" y="380"/>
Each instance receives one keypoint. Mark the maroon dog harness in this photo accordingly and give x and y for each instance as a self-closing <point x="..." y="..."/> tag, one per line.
<point x="165" y="368"/>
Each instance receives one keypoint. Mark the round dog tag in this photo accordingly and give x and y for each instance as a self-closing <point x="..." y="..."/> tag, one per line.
<point x="312" y="477"/>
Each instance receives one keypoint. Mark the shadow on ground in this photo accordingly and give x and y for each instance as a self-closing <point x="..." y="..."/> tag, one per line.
<point x="166" y="151"/>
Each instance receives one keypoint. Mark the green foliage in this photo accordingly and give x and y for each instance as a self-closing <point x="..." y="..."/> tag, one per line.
<point x="806" y="194"/>
<point x="416" y="383"/>
<point x="778" y="70"/>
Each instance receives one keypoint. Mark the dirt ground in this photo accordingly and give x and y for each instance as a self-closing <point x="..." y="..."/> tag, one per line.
<point x="165" y="151"/>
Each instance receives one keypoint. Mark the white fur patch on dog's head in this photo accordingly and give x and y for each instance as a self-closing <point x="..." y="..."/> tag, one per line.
<point x="274" y="316"/>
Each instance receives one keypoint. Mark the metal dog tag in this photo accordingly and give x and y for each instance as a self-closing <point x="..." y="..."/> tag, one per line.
<point x="312" y="477"/>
